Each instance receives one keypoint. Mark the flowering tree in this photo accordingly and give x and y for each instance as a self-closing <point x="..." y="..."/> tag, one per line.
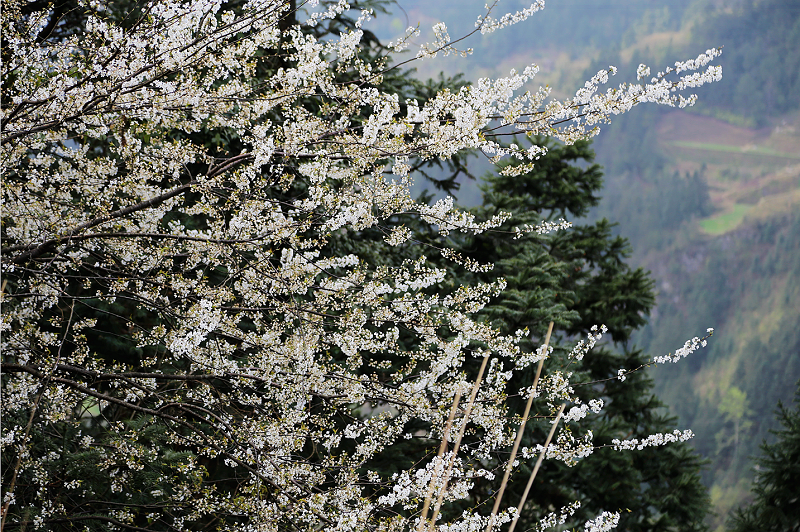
<point x="186" y="344"/>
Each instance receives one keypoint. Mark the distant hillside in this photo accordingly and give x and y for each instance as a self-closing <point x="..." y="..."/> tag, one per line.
<point x="711" y="202"/>
<point x="713" y="211"/>
<point x="746" y="284"/>
<point x="761" y="60"/>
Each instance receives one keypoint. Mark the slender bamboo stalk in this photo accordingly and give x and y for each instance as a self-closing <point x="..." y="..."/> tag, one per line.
<point x="424" y="519"/>
<point x="457" y="444"/>
<point x="536" y="469"/>
<point x="510" y="464"/>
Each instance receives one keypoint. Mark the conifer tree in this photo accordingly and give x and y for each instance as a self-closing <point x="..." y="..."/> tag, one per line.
<point x="577" y="278"/>
<point x="776" y="489"/>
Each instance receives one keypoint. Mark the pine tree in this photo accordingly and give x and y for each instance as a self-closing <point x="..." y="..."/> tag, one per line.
<point x="580" y="278"/>
<point x="776" y="489"/>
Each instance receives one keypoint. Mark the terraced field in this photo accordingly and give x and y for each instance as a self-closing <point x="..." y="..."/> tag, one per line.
<point x="753" y="173"/>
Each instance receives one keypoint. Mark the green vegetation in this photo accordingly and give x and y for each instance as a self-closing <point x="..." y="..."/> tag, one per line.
<point x="712" y="265"/>
<point x="733" y="265"/>
<point x="724" y="222"/>
<point x="580" y="278"/>
<point x="705" y="202"/>
<point x="746" y="284"/>
<point x="733" y="149"/>
<point x="761" y="58"/>
<point x="577" y="279"/>
<point x="777" y="500"/>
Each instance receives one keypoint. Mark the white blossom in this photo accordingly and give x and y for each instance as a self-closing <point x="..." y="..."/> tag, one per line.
<point x="654" y="440"/>
<point x="689" y="347"/>
<point x="602" y="523"/>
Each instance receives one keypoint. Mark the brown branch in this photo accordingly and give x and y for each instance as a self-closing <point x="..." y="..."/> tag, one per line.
<point x="535" y="470"/>
<point x="520" y="431"/>
<point x="165" y="236"/>
<point x="49" y="244"/>
<point x="4" y="510"/>
<point x="44" y="247"/>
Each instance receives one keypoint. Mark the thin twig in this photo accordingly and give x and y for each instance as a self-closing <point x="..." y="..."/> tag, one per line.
<point x="48" y="244"/>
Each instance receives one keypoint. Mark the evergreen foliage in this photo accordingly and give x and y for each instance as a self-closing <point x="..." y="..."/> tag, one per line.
<point x="578" y="279"/>
<point x="776" y="489"/>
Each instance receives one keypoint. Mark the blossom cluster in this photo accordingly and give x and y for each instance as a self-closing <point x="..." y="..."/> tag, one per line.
<point x="583" y="347"/>
<point x="654" y="440"/>
<point x="688" y="348"/>
<point x="603" y="522"/>
<point x="542" y="228"/>
<point x="554" y="519"/>
<point x="489" y="25"/>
